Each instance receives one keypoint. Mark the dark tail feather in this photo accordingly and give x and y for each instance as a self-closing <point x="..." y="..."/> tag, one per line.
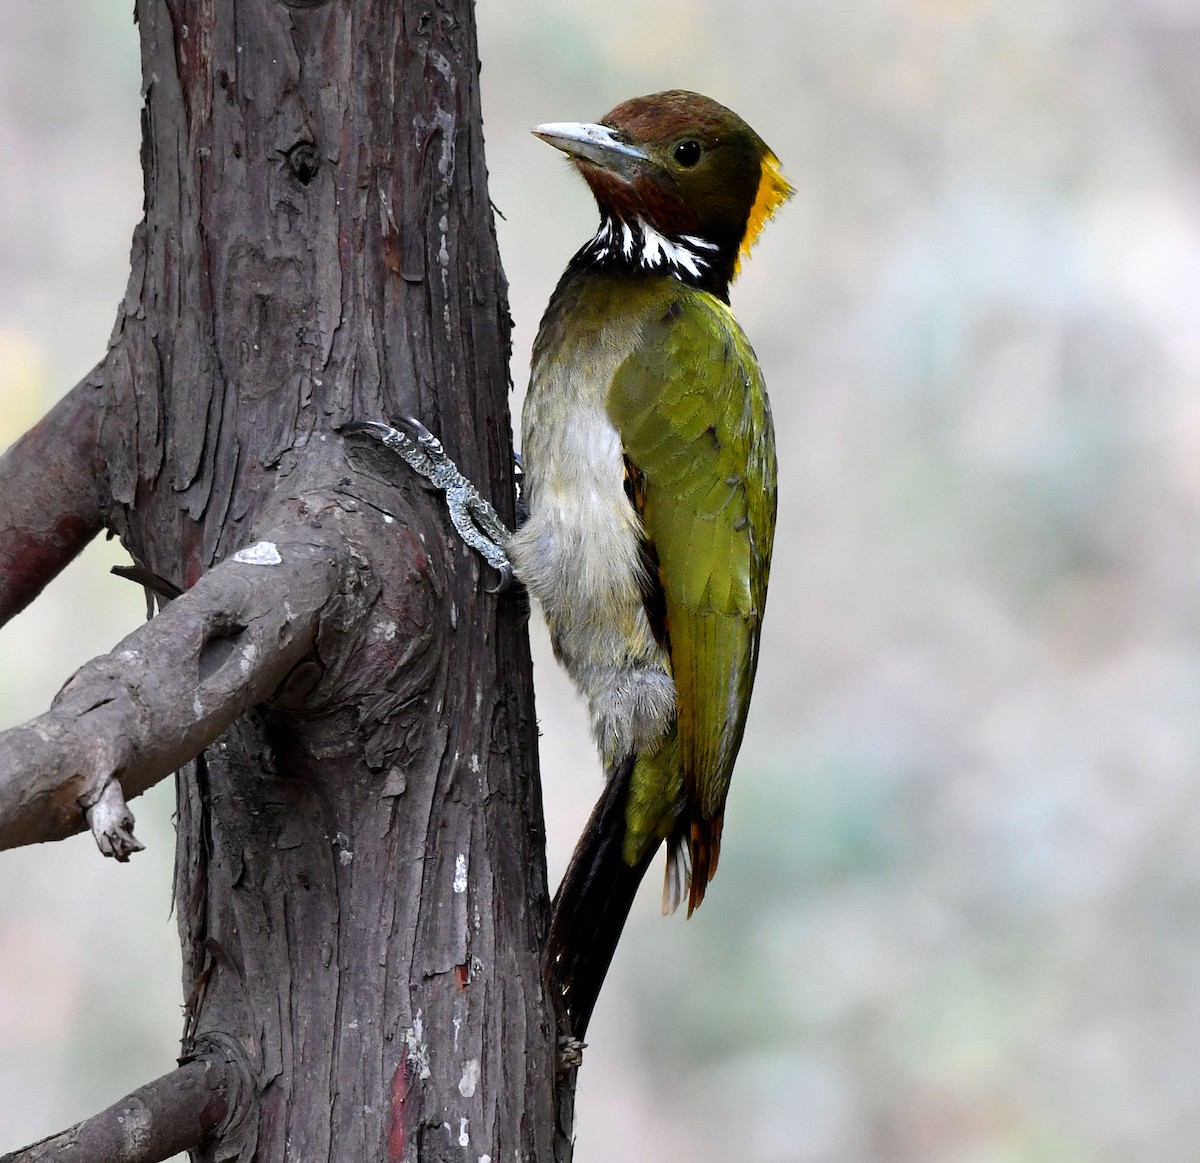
<point x="592" y="904"/>
<point x="706" y="850"/>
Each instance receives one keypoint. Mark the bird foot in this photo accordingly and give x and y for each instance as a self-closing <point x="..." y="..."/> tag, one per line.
<point x="478" y="524"/>
<point x="570" y="1052"/>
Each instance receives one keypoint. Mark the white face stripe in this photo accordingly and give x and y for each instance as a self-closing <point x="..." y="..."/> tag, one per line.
<point x="649" y="248"/>
<point x="674" y="254"/>
<point x="626" y="239"/>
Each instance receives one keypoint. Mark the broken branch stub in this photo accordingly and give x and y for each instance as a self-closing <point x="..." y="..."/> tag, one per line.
<point x="177" y="1112"/>
<point x="130" y="718"/>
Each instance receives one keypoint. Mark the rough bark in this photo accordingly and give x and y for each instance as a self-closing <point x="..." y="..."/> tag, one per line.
<point x="360" y="877"/>
<point x="51" y="499"/>
<point x="177" y="1112"/>
<point x="127" y="720"/>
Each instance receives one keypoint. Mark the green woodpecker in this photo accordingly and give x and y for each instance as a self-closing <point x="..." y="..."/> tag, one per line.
<point x="649" y="462"/>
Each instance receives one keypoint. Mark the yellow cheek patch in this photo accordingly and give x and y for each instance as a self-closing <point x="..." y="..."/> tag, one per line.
<point x="773" y="190"/>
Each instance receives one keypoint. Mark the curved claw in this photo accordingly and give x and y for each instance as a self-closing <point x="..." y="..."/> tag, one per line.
<point x="372" y="427"/>
<point x="423" y="433"/>
<point x="505" y="582"/>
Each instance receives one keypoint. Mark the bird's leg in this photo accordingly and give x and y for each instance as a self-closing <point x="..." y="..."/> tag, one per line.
<point x="478" y="524"/>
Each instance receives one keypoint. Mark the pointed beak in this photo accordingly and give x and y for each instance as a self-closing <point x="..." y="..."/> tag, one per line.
<point x="593" y="143"/>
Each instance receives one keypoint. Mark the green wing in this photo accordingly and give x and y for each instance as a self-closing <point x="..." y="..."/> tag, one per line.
<point x="692" y="412"/>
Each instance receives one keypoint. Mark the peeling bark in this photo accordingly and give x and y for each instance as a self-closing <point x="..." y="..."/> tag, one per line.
<point x="360" y="876"/>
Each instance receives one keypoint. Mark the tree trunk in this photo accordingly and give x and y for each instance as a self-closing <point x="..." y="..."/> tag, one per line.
<point x="360" y="878"/>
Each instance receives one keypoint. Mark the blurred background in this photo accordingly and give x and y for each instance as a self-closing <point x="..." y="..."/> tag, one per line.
<point x="958" y="913"/>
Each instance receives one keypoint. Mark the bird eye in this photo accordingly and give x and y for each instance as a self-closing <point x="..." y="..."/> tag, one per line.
<point x="687" y="153"/>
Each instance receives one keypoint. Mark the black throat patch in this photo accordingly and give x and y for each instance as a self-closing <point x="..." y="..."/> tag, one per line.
<point x="637" y="247"/>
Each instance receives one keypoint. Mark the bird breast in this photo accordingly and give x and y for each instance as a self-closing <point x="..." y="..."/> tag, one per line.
<point x="580" y="554"/>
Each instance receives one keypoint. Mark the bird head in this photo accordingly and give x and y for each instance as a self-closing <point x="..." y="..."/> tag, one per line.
<point x="684" y="166"/>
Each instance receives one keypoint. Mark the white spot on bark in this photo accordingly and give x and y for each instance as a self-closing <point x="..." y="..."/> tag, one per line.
<point x="249" y="654"/>
<point x="418" y="1051"/>
<point x="464" y="1140"/>
<point x="445" y="122"/>
<point x="470" y="1078"/>
<point x="135" y="1128"/>
<point x="388" y="519"/>
<point x="474" y="763"/>
<point x="263" y="553"/>
<point x="460" y="873"/>
<point x="443" y="252"/>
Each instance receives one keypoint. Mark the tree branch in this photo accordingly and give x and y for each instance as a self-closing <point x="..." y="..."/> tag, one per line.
<point x="130" y="718"/>
<point x="174" y="1113"/>
<point x="49" y="503"/>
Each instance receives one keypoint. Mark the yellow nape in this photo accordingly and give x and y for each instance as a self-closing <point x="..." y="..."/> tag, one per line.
<point x="773" y="190"/>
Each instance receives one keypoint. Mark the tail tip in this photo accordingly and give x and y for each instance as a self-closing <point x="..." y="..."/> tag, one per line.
<point x="677" y="876"/>
<point x="705" y="846"/>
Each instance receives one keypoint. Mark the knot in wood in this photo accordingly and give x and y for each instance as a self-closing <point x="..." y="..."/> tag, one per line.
<point x="303" y="161"/>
